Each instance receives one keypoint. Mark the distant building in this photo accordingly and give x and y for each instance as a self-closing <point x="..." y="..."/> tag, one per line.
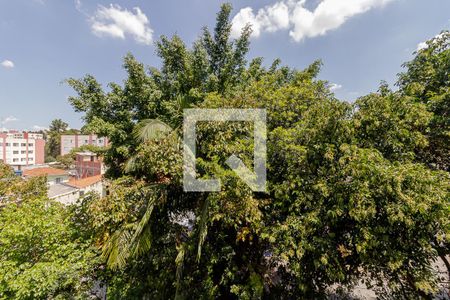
<point x="69" y="142"/>
<point x="87" y="164"/>
<point x="21" y="149"/>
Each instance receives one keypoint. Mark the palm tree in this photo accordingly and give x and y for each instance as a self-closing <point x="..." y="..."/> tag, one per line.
<point x="133" y="240"/>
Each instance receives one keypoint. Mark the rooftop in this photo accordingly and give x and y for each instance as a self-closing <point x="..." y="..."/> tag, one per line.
<point x="85" y="182"/>
<point x="60" y="189"/>
<point x="43" y="172"/>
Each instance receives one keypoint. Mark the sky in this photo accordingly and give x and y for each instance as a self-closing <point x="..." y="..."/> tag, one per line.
<point x="44" y="42"/>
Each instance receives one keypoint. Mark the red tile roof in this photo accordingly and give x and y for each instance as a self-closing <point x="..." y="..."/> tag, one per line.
<point x="43" y="172"/>
<point x="85" y="182"/>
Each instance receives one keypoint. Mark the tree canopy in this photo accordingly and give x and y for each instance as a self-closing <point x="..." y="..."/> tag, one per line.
<point x="356" y="191"/>
<point x="45" y="253"/>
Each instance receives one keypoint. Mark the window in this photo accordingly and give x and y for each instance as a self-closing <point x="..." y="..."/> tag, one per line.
<point x="30" y="151"/>
<point x="24" y="144"/>
<point x="15" y="144"/>
<point x="7" y="144"/>
<point x="15" y="152"/>
<point x="23" y="159"/>
<point x="30" y="159"/>
<point x="23" y="151"/>
<point x="15" y="159"/>
<point x="30" y="145"/>
<point x="58" y="180"/>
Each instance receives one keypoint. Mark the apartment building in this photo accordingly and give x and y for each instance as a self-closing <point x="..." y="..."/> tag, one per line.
<point x="72" y="141"/>
<point x="20" y="149"/>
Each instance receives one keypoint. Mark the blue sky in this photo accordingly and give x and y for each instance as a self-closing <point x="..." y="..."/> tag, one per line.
<point x="42" y="42"/>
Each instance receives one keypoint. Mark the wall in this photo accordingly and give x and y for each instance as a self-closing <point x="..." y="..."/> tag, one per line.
<point x="18" y="149"/>
<point x="96" y="187"/>
<point x="69" y="198"/>
<point x="72" y="141"/>
<point x="40" y="152"/>
<point x="52" y="179"/>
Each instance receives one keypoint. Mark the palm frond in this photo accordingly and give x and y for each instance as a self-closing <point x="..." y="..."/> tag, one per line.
<point x="179" y="262"/>
<point x="130" y="165"/>
<point x="151" y="129"/>
<point x="203" y="229"/>
<point x="116" y="250"/>
<point x="141" y="239"/>
<point x="131" y="240"/>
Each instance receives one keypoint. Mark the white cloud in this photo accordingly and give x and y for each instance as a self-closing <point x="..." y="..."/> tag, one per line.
<point x="270" y="18"/>
<point x="7" y="64"/>
<point x="335" y="86"/>
<point x="39" y="128"/>
<point x="78" y="4"/>
<point x="8" y="119"/>
<point x="328" y="15"/>
<point x="116" y="22"/>
<point x="302" y="22"/>
<point x="245" y="16"/>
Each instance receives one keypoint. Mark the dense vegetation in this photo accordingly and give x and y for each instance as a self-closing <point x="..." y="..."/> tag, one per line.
<point x="356" y="191"/>
<point x="45" y="251"/>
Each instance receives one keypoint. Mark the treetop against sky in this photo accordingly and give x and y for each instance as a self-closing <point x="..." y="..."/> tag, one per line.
<point x="44" y="42"/>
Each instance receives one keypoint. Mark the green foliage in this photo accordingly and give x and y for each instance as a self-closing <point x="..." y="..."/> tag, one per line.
<point x="53" y="145"/>
<point x="347" y="195"/>
<point x="427" y="78"/>
<point x="43" y="254"/>
<point x="215" y="64"/>
<point x="392" y="123"/>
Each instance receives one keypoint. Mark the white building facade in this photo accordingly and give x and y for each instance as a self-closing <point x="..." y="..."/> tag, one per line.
<point x="72" y="141"/>
<point x="20" y="149"/>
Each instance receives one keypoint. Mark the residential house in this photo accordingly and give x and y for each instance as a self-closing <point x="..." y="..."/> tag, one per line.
<point x="54" y="176"/>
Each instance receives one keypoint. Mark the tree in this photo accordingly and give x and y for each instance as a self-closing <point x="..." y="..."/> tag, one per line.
<point x="67" y="161"/>
<point x="427" y="79"/>
<point x="58" y="125"/>
<point x="215" y="64"/>
<point x="53" y="146"/>
<point x="346" y="197"/>
<point x="43" y="254"/>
